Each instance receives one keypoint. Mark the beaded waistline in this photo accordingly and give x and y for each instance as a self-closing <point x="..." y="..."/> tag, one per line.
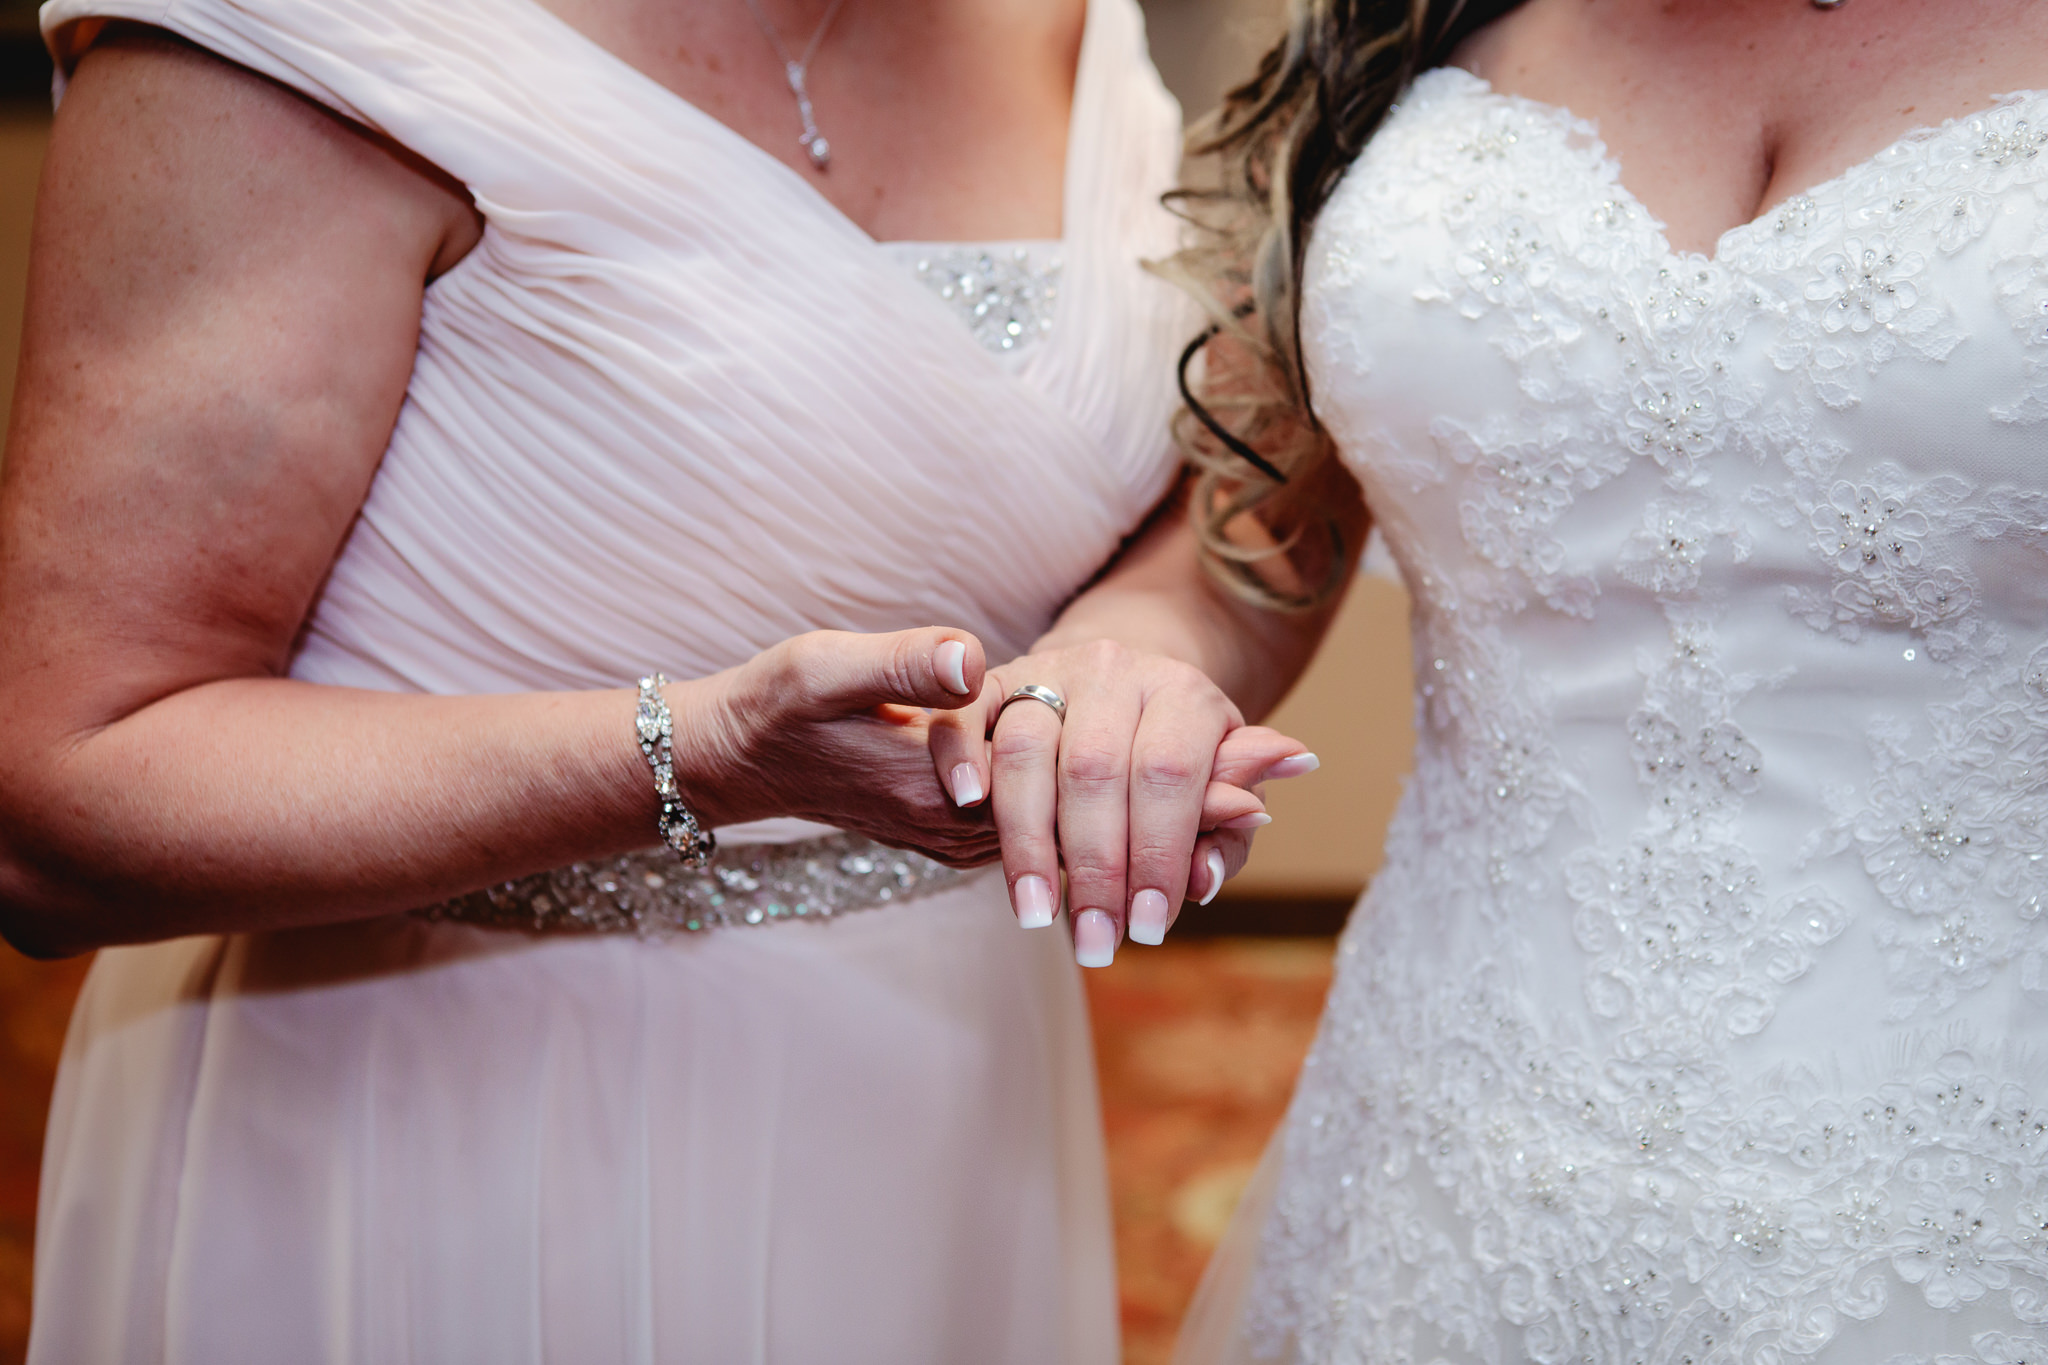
<point x="651" y="894"/>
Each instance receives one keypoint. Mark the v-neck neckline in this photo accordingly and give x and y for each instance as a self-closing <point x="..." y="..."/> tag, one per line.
<point x="719" y="129"/>
<point x="1610" y="165"/>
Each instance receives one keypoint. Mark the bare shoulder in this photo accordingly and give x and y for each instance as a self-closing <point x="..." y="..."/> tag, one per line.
<point x="163" y="119"/>
<point x="223" y="307"/>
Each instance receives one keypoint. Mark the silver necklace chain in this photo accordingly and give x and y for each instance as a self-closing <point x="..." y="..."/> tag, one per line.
<point x="798" y="73"/>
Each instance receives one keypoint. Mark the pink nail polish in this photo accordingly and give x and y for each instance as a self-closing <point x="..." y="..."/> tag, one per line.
<point x="950" y="661"/>
<point x="1294" y="765"/>
<point x="966" y="785"/>
<point x="1094" y="939"/>
<point x="1256" y="820"/>
<point x="1032" y="899"/>
<point x="1149" y="916"/>
<point x="1213" y="865"/>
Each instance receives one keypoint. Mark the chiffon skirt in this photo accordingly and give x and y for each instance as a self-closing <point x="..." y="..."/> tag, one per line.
<point x="869" y="1140"/>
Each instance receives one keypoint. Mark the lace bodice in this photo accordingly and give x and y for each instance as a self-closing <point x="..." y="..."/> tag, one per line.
<point x="1697" y="1014"/>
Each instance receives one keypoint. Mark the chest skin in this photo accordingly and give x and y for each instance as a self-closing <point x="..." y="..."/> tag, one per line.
<point x="947" y="118"/>
<point x="1718" y="110"/>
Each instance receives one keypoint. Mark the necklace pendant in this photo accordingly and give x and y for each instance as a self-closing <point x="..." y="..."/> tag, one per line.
<point x="819" y="148"/>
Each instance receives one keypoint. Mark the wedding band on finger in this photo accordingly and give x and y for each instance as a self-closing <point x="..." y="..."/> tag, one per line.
<point x="1033" y="692"/>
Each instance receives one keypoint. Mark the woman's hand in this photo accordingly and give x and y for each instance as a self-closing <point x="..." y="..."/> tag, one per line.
<point x="1151" y="755"/>
<point x="833" y="726"/>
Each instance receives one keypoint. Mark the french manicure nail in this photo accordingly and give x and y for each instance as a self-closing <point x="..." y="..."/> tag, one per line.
<point x="1213" y="864"/>
<point x="1032" y="897"/>
<point x="950" y="659"/>
<point x="1294" y="765"/>
<point x="1094" y="939"/>
<point x="966" y="785"/>
<point x="1148" y="917"/>
<point x="1255" y="820"/>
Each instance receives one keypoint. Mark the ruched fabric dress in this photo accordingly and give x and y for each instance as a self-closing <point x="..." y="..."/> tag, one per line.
<point x="673" y="408"/>
<point x="1700" y="1014"/>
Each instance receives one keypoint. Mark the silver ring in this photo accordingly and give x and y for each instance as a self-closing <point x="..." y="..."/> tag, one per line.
<point x="1033" y="692"/>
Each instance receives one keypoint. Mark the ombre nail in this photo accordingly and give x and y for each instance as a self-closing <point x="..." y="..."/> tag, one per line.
<point x="1213" y="865"/>
<point x="1294" y="765"/>
<point x="1094" y="939"/>
<point x="1149" y="913"/>
<point x="1257" y="819"/>
<point x="1032" y="899"/>
<point x="966" y="785"/>
<point x="950" y="659"/>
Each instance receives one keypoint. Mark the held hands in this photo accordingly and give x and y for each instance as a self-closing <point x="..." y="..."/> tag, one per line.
<point x="1147" y="792"/>
<point x="833" y="726"/>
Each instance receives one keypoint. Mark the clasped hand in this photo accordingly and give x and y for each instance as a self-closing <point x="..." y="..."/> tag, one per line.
<point x="1145" y="796"/>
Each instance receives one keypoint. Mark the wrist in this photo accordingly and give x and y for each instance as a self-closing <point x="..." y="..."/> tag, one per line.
<point x="709" y="754"/>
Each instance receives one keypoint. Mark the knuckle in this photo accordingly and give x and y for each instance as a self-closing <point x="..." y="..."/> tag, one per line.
<point x="1093" y="765"/>
<point x="1087" y="869"/>
<point x="1168" y="772"/>
<point x="1016" y="744"/>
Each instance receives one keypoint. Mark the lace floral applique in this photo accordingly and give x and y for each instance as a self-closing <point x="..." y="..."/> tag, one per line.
<point x="1519" y="488"/>
<point x="1686" y="944"/>
<point x="1665" y="554"/>
<point x="1874" y="536"/>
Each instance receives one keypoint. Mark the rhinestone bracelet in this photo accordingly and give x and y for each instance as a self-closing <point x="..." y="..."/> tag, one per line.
<point x="656" y="730"/>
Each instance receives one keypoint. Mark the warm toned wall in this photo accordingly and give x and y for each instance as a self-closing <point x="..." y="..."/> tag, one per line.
<point x="22" y="135"/>
<point x="1352" y="707"/>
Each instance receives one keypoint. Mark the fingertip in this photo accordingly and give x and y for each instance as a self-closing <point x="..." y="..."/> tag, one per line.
<point x="1212" y="865"/>
<point x="949" y="661"/>
<point x="966" y="784"/>
<point x="1031" y="898"/>
<point x="1150" y="917"/>
<point x="1294" y="765"/>
<point x="1094" y="938"/>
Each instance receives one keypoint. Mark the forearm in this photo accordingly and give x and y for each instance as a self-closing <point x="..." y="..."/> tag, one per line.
<point x="1158" y="599"/>
<point x="263" y="803"/>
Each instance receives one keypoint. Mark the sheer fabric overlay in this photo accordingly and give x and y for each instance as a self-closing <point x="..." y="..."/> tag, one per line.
<point x="1696" y="1016"/>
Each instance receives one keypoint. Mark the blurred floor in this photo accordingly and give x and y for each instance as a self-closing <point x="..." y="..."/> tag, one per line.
<point x="35" y="1003"/>
<point x="1197" y="1043"/>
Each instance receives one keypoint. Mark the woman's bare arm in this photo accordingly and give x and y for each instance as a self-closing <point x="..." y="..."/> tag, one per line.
<point x="223" y="307"/>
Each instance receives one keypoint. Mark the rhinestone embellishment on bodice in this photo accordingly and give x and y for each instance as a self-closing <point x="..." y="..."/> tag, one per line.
<point x="649" y="894"/>
<point x="1007" y="295"/>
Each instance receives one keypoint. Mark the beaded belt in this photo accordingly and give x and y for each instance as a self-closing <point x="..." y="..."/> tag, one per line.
<point x="649" y="894"/>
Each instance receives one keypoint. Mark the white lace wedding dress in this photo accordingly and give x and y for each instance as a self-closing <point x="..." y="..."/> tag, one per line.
<point x="1699" y="1014"/>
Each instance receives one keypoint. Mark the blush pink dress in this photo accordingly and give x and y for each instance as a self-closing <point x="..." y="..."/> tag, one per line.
<point x="673" y="408"/>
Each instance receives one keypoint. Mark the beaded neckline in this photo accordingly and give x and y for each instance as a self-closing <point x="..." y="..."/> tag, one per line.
<point x="1585" y="133"/>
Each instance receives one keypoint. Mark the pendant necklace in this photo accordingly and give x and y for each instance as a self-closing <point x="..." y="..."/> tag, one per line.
<point x="798" y="72"/>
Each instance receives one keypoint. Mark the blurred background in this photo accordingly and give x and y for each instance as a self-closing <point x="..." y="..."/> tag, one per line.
<point x="1197" y="1042"/>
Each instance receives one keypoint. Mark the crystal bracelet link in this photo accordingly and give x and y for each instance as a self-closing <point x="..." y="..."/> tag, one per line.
<point x="656" y="729"/>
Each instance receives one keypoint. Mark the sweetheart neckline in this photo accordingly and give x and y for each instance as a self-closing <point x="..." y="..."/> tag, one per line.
<point x="1596" y="149"/>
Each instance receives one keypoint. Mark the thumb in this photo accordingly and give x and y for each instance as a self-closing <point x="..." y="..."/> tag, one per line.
<point x="838" y="672"/>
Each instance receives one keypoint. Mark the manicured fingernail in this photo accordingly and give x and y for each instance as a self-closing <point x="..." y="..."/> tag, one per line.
<point x="1032" y="897"/>
<point x="966" y="785"/>
<point x="1255" y="820"/>
<point x="1148" y="917"/>
<point x="1213" y="865"/>
<point x="1094" y="939"/>
<point x="1294" y="765"/>
<point x="950" y="659"/>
